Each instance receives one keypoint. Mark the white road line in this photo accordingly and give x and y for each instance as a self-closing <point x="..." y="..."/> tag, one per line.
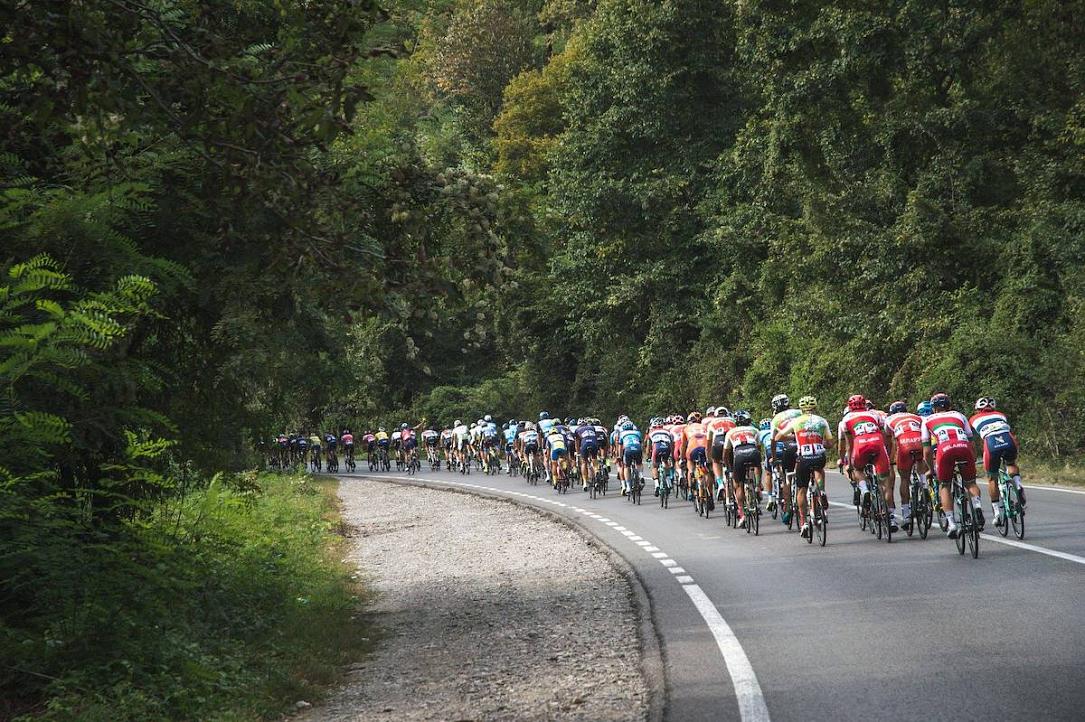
<point x="684" y="579"/>
<point x="1054" y="488"/>
<point x="644" y="543"/>
<point x="659" y="555"/>
<point x="651" y="549"/>
<point x="636" y="538"/>
<point x="1034" y="548"/>
<point x="751" y="702"/>
<point x="674" y="570"/>
<point x="1009" y="542"/>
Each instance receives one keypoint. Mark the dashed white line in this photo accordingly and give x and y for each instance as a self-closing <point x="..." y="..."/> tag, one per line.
<point x="651" y="549"/>
<point x="659" y="555"/>
<point x="673" y="569"/>
<point x="684" y="579"/>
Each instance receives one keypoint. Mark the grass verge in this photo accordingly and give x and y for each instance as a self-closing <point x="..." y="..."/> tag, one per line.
<point x="230" y="603"/>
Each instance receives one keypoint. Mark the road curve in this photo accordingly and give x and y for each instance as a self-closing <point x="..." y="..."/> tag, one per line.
<point x="769" y="627"/>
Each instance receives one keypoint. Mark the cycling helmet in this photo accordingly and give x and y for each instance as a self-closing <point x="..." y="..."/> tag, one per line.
<point x="924" y="408"/>
<point x="346" y="431"/>
<point x="622" y="419"/>
<point x="570" y="421"/>
<point x="723" y="411"/>
<point x="710" y="411"/>
<point x="403" y="427"/>
<point x="381" y="428"/>
<point x="505" y="425"/>
<point x="940" y="401"/>
<point x="488" y="418"/>
<point x="458" y="423"/>
<point x="742" y="417"/>
<point x="780" y="402"/>
<point x="695" y="417"/>
<point x="808" y="403"/>
<point x="543" y="416"/>
<point x="869" y="405"/>
<point x="628" y="425"/>
<point x="985" y="403"/>
<point x="898" y="407"/>
<point x="765" y="424"/>
<point x="856" y="402"/>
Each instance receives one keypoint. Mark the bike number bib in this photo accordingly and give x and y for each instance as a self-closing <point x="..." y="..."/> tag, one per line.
<point x="865" y="428"/>
<point x="949" y="435"/>
<point x="808" y="450"/>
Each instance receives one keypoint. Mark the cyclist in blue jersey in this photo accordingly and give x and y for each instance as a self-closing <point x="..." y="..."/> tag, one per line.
<point x="629" y="451"/>
<point x="587" y="448"/>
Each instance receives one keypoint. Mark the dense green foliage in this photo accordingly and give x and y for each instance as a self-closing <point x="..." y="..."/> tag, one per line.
<point x="221" y="218"/>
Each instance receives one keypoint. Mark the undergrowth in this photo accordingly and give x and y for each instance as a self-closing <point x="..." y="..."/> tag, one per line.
<point x="227" y="603"/>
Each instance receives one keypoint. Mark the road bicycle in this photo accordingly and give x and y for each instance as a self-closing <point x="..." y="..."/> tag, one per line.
<point x="776" y="485"/>
<point x="332" y="461"/>
<point x="730" y="501"/>
<point x="665" y="473"/>
<point x="751" y="510"/>
<point x="817" y="512"/>
<point x="874" y="511"/>
<point x="385" y="461"/>
<point x="636" y="484"/>
<point x="531" y="472"/>
<point x="1013" y="511"/>
<point x="314" y="460"/>
<point x="412" y="463"/>
<point x="921" y="501"/>
<point x="968" y="533"/>
<point x="702" y="501"/>
<point x="562" y="482"/>
<point x="350" y="458"/>
<point x="433" y="458"/>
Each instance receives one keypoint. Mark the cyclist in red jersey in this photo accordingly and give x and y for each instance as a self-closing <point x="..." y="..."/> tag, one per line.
<point x="905" y="451"/>
<point x="946" y="435"/>
<point x="718" y="422"/>
<point x="863" y="438"/>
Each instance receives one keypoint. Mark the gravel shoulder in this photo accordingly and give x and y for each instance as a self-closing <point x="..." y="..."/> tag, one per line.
<point x="486" y="610"/>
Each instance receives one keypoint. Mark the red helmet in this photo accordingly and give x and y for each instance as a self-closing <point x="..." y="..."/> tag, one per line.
<point x="857" y="402"/>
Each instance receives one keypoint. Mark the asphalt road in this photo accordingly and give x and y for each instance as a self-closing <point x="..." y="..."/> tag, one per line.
<point x="770" y="627"/>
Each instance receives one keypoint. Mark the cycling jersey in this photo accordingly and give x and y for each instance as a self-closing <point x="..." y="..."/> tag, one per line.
<point x="866" y="430"/>
<point x="347" y="439"/>
<point x="630" y="443"/>
<point x="740" y="436"/>
<point x="314" y="441"/>
<point x="555" y="441"/>
<point x="546" y="425"/>
<point x="382" y="436"/>
<point x="907" y="430"/>
<point x="811" y="432"/>
<point x="999" y="443"/>
<point x="429" y="437"/>
<point x="786" y="449"/>
<point x="446" y="437"/>
<point x="678" y="432"/>
<point x="510" y="435"/>
<point x="460" y="434"/>
<point x="949" y="433"/>
<point x="586" y="440"/>
<point x="330" y="441"/>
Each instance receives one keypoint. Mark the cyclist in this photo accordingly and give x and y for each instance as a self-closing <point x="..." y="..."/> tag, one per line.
<point x="718" y="422"/>
<point x="329" y="444"/>
<point x="446" y="445"/>
<point x="558" y="450"/>
<point x="347" y="440"/>
<point x="587" y="450"/>
<point x="429" y="440"/>
<point x="695" y="450"/>
<point x="510" y="429"/>
<point x="784" y="454"/>
<point x="461" y="439"/>
<point x="488" y="436"/>
<point x="905" y="451"/>
<point x="764" y="438"/>
<point x="999" y="444"/>
<point x="527" y="444"/>
<point x="383" y="442"/>
<point x="946" y="436"/>
<point x="660" y="443"/>
<point x="370" y="442"/>
<point x="678" y="435"/>
<point x="545" y="425"/>
<point x="740" y="452"/>
<point x="813" y="437"/>
<point x="629" y="451"/>
<point x="397" y="437"/>
<point x="863" y="439"/>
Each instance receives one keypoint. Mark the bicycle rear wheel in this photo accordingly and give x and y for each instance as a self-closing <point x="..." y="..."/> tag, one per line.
<point x="1018" y="519"/>
<point x="965" y="510"/>
<point x="821" y="519"/>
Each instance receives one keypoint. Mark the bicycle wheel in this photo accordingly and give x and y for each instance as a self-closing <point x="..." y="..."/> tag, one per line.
<point x="966" y="519"/>
<point x="1018" y="518"/>
<point x="974" y="542"/>
<point x="755" y="516"/>
<point x="821" y="520"/>
<point x="1007" y="511"/>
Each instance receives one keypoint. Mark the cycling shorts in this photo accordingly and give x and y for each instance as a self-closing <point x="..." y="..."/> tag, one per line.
<point x="870" y="451"/>
<point x="632" y="456"/>
<point x="744" y="457"/>
<point x="787" y="452"/>
<point x="697" y="455"/>
<point x="904" y="455"/>
<point x="588" y="451"/>
<point x="805" y="466"/>
<point x="556" y="453"/>
<point x="719" y="441"/>
<point x="660" y="449"/>
<point x="947" y="457"/>
<point x="410" y="443"/>
<point x="999" y="447"/>
<point x="531" y="448"/>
